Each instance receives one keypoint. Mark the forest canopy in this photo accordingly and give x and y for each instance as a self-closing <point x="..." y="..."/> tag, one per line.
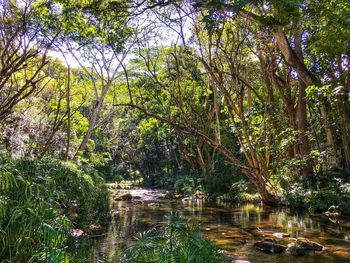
<point x="240" y="89"/>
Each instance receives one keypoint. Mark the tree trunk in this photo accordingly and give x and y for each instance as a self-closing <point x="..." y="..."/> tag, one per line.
<point x="48" y="144"/>
<point x="92" y="121"/>
<point x="66" y="155"/>
<point x="266" y="196"/>
<point x="302" y="111"/>
<point x="292" y="58"/>
<point x="331" y="144"/>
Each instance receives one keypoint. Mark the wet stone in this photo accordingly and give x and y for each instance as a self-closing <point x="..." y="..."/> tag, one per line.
<point x="269" y="239"/>
<point x="126" y="197"/>
<point x="280" y="235"/>
<point x="295" y="250"/>
<point x="269" y="247"/>
<point x="309" y="245"/>
<point x="302" y="246"/>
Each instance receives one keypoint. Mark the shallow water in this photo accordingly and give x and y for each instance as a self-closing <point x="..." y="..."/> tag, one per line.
<point x="232" y="228"/>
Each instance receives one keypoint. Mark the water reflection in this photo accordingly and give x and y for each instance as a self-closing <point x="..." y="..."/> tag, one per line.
<point x="232" y="228"/>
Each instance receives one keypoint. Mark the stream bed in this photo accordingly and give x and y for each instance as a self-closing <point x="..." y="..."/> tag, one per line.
<point x="232" y="228"/>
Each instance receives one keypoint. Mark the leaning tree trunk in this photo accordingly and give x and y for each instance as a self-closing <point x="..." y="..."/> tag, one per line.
<point x="92" y="121"/>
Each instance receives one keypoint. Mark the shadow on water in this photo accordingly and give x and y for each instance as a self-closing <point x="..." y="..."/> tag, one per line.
<point x="233" y="228"/>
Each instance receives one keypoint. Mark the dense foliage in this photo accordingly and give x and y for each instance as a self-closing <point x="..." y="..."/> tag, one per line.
<point x="244" y="96"/>
<point x="41" y="202"/>
<point x="175" y="241"/>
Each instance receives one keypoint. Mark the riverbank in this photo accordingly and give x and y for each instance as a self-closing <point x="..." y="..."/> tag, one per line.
<point x="232" y="228"/>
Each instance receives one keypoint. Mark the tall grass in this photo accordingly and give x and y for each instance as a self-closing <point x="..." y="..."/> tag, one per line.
<point x="40" y="201"/>
<point x="175" y="242"/>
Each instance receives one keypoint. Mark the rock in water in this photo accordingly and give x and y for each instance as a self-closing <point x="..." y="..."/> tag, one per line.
<point x="270" y="247"/>
<point x="126" y="197"/>
<point x="296" y="250"/>
<point x="268" y="239"/>
<point x="280" y="235"/>
<point x="309" y="245"/>
<point x="302" y="246"/>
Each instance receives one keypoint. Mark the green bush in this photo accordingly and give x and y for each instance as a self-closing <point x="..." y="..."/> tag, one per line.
<point x="109" y="173"/>
<point x="324" y="195"/>
<point x="39" y="203"/>
<point x="181" y="183"/>
<point x="336" y="193"/>
<point x="188" y="184"/>
<point x="176" y="241"/>
<point x="297" y="196"/>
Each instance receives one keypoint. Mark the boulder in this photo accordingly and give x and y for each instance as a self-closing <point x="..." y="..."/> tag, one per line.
<point x="295" y="250"/>
<point x="126" y="197"/>
<point x="270" y="247"/>
<point x="268" y="239"/>
<point x="302" y="246"/>
<point x="280" y="235"/>
<point x="308" y="245"/>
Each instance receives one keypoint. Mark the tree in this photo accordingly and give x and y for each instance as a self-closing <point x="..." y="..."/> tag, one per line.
<point x="23" y="55"/>
<point x="94" y="33"/>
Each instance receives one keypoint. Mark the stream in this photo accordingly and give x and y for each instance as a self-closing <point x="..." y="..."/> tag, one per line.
<point x="232" y="228"/>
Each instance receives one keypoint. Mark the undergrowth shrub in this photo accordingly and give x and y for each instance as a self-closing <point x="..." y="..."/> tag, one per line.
<point x="180" y="183"/>
<point x="325" y="193"/>
<point x="175" y="241"/>
<point x="336" y="193"/>
<point x="40" y="201"/>
<point x="297" y="196"/>
<point x="188" y="184"/>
